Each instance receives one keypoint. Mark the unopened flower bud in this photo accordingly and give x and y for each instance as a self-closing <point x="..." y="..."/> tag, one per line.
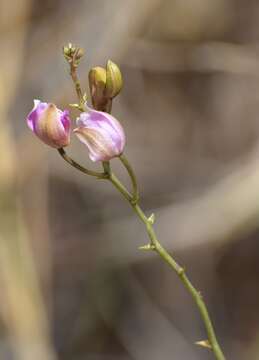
<point x="50" y="124"/>
<point x="97" y="77"/>
<point x="113" y="80"/>
<point x="69" y="50"/>
<point x="79" y="53"/>
<point x="101" y="133"/>
<point x="66" y="51"/>
<point x="97" y="82"/>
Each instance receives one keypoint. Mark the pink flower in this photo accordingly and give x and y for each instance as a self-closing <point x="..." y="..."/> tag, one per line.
<point x="50" y="124"/>
<point x="101" y="133"/>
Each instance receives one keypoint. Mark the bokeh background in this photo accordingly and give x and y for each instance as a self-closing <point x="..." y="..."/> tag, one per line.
<point x="73" y="284"/>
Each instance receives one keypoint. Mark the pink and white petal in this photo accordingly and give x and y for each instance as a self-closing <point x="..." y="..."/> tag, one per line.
<point x="116" y="130"/>
<point x="35" y="112"/>
<point x="50" y="128"/>
<point x="65" y="119"/>
<point x="83" y="119"/>
<point x="99" y="145"/>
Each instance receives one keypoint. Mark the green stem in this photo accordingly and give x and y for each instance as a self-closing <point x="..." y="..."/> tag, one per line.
<point x="73" y="73"/>
<point x="156" y="246"/>
<point x="135" y="192"/>
<point x="86" y="171"/>
<point x="106" y="167"/>
<point x="116" y="182"/>
<point x="133" y="201"/>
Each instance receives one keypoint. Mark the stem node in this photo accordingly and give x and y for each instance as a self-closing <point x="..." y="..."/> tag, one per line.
<point x="204" y="343"/>
<point x="151" y="219"/>
<point x="147" y="247"/>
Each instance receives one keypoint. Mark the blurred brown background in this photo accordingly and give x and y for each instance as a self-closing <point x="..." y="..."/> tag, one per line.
<point x="73" y="284"/>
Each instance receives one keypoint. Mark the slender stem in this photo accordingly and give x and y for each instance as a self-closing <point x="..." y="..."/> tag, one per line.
<point x="73" y="63"/>
<point x="106" y="167"/>
<point x="133" y="201"/>
<point x="135" y="192"/>
<point x="156" y="246"/>
<point x="86" y="171"/>
<point x="116" y="182"/>
<point x="73" y="73"/>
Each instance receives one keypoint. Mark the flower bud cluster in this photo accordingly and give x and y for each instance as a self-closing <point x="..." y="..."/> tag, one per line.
<point x="104" y="85"/>
<point x="72" y="53"/>
<point x="102" y="134"/>
<point x="99" y="131"/>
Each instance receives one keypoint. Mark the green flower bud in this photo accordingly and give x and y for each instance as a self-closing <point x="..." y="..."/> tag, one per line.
<point x="97" y="83"/>
<point x="104" y="85"/>
<point x="79" y="53"/>
<point x="113" y="80"/>
<point x="97" y="79"/>
<point x="66" y="50"/>
<point x="69" y="50"/>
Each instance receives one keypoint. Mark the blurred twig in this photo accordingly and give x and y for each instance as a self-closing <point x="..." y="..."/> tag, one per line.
<point x="22" y="308"/>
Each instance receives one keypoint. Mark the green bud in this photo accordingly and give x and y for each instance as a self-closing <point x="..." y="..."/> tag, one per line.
<point x="113" y="80"/>
<point x="97" y="83"/>
<point x="79" y="53"/>
<point x="104" y="85"/>
<point x="69" y="50"/>
<point x="66" y="50"/>
<point x="97" y="78"/>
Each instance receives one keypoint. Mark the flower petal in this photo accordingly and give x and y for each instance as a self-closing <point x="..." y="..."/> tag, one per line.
<point x="100" y="145"/>
<point x="101" y="133"/>
<point x="50" y="129"/>
<point x="35" y="112"/>
<point x="65" y="119"/>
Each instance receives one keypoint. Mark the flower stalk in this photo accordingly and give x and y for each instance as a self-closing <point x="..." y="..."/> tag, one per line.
<point x="135" y="191"/>
<point x="79" y="167"/>
<point x="72" y="56"/>
<point x="155" y="245"/>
